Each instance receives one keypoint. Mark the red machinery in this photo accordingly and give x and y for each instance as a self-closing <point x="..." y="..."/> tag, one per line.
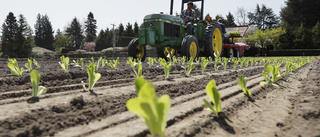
<point x="235" y="49"/>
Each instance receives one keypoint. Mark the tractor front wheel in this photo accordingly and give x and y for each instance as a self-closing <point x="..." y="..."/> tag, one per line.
<point x="136" y="50"/>
<point x="190" y="47"/>
<point x="213" y="41"/>
<point x="165" y="52"/>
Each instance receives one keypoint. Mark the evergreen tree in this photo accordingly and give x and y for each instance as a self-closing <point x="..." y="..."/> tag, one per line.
<point x="101" y="41"/>
<point x="9" y="28"/>
<point x="75" y="29"/>
<point x="136" y="29"/>
<point x="91" y="27"/>
<point x="23" y="38"/>
<point x="316" y="35"/>
<point x="263" y="18"/>
<point x="44" y="32"/>
<point x="297" y="11"/>
<point x="121" y="30"/>
<point x="303" y="39"/>
<point x="230" y="20"/>
<point x="129" y="30"/>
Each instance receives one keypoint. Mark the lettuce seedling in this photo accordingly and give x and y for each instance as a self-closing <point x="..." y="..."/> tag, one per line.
<point x="82" y="63"/>
<point x="114" y="63"/>
<point x="216" y="64"/>
<point x="150" y="62"/>
<point x="75" y="63"/>
<point x="289" y="67"/>
<point x="214" y="95"/>
<point x="191" y="66"/>
<point x="36" y="63"/>
<point x="242" y="82"/>
<point x="28" y="65"/>
<point x="242" y="61"/>
<point x="35" y="79"/>
<point x="151" y="109"/>
<point x="183" y="60"/>
<point x="225" y="63"/>
<point x="132" y="62"/>
<point x="93" y="77"/>
<point x="271" y="74"/>
<point x="14" y="67"/>
<point x="166" y="67"/>
<point x="204" y="64"/>
<point x="235" y="63"/>
<point x="64" y="63"/>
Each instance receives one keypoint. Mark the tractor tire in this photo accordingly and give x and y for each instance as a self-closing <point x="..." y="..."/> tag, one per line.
<point x="231" y="53"/>
<point x="190" y="47"/>
<point x="165" y="52"/>
<point x="136" y="50"/>
<point x="213" y="46"/>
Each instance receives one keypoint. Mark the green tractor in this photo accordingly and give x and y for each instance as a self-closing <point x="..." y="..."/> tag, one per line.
<point x="172" y="36"/>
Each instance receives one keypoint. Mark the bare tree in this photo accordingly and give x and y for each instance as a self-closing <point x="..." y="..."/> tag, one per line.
<point x="242" y="16"/>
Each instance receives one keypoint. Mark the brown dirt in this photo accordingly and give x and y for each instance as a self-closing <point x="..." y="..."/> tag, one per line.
<point x="67" y="108"/>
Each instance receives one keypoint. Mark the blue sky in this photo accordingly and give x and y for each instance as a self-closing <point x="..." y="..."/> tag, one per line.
<point x="106" y="12"/>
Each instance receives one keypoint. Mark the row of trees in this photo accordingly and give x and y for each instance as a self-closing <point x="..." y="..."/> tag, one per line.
<point x="17" y="39"/>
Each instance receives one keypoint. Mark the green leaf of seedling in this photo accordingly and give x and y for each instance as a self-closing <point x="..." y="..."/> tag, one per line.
<point x="36" y="63"/>
<point x="214" y="95"/>
<point x="208" y="105"/>
<point x="139" y="82"/>
<point x="35" y="79"/>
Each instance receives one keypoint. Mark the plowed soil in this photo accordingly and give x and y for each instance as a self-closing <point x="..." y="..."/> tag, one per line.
<point x="68" y="110"/>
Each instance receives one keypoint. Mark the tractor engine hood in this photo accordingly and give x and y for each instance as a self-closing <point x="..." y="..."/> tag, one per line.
<point x="163" y="18"/>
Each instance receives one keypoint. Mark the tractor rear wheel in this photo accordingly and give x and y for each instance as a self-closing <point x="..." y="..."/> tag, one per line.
<point x="213" y="41"/>
<point x="136" y="50"/>
<point x="165" y="52"/>
<point x="190" y="47"/>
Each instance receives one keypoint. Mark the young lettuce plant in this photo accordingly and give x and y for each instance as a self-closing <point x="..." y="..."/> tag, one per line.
<point x="28" y="65"/>
<point x="235" y="63"/>
<point x="151" y="109"/>
<point x="166" y="67"/>
<point x="150" y="62"/>
<point x="214" y="95"/>
<point x="14" y="67"/>
<point x="183" y="60"/>
<point x="289" y="67"/>
<point x="36" y="63"/>
<point x="271" y="74"/>
<point x="225" y="63"/>
<point x="204" y="64"/>
<point x="242" y="82"/>
<point x="114" y="63"/>
<point x="64" y="63"/>
<point x="36" y="89"/>
<point x="216" y="64"/>
<point x="93" y="77"/>
<point x="75" y="63"/>
<point x="132" y="62"/>
<point x="191" y="66"/>
<point x="82" y="63"/>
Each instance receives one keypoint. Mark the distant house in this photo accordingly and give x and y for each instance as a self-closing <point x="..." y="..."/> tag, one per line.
<point x="43" y="51"/>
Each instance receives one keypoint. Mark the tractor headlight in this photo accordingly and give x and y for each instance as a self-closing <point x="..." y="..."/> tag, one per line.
<point x="151" y="25"/>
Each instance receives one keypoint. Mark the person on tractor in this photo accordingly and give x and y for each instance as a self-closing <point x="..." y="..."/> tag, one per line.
<point x="225" y="34"/>
<point x="188" y="15"/>
<point x="223" y="27"/>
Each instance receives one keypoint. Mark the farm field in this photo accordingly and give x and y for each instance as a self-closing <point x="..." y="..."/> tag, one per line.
<point x="69" y="110"/>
